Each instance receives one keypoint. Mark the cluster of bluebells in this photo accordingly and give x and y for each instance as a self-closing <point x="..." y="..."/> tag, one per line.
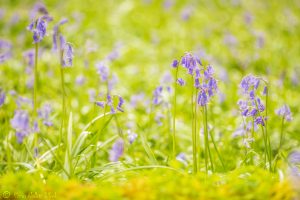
<point x="65" y="47"/>
<point x="21" y="123"/>
<point x="44" y="114"/>
<point x="39" y="28"/>
<point x="109" y="103"/>
<point x="2" y="97"/>
<point x="252" y="106"/>
<point x="5" y="50"/>
<point x="117" y="150"/>
<point x="284" y="112"/>
<point x="204" y="80"/>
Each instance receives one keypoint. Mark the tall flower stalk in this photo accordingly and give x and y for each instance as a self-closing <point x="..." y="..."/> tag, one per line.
<point x="175" y="65"/>
<point x="65" y="53"/>
<point x="286" y="116"/>
<point x="38" y="28"/>
<point x="203" y="88"/>
<point x="254" y="109"/>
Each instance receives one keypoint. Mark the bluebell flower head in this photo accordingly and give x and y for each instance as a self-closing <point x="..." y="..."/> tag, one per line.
<point x="44" y="113"/>
<point x="175" y="63"/>
<point x="117" y="150"/>
<point x="180" y="81"/>
<point x="20" y="122"/>
<point x="285" y="112"/>
<point x="120" y="104"/>
<point x="67" y="55"/>
<point x="294" y="157"/>
<point x="202" y="98"/>
<point x="131" y="136"/>
<point x="2" y="98"/>
<point x="103" y="71"/>
<point x="100" y="104"/>
<point x="157" y="94"/>
<point x="38" y="28"/>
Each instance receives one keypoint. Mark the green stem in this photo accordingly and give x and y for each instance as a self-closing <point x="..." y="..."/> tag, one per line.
<point x="174" y="114"/>
<point x="216" y="149"/>
<point x="194" y="136"/>
<point x="281" y="134"/>
<point x="35" y="78"/>
<point x="206" y="137"/>
<point x="266" y="127"/>
<point x="266" y="140"/>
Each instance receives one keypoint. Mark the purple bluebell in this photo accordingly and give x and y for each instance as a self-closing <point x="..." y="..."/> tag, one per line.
<point x="285" y="112"/>
<point x="294" y="157"/>
<point x="197" y="83"/>
<point x="57" y="36"/>
<point x="260" y="106"/>
<point x="67" y="55"/>
<point x="181" y="157"/>
<point x="189" y="62"/>
<point x="20" y="122"/>
<point x="2" y="98"/>
<point x="117" y="150"/>
<point x="175" y="63"/>
<point x="103" y="71"/>
<point x="100" y="103"/>
<point x="44" y="113"/>
<point x="265" y="90"/>
<point x="80" y="79"/>
<point x="157" y="95"/>
<point x="180" y="81"/>
<point x="259" y="120"/>
<point x="131" y="136"/>
<point x="5" y="50"/>
<point x="202" y="98"/>
<point x="38" y="8"/>
<point x="158" y="119"/>
<point x="209" y="72"/>
<point x="38" y="28"/>
<point x="120" y="104"/>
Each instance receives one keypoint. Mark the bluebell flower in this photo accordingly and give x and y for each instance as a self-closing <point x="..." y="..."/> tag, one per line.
<point x="44" y="113"/>
<point x="131" y="136"/>
<point x="120" y="104"/>
<point x="117" y="150"/>
<point x="2" y="98"/>
<point x="175" y="63"/>
<point x="67" y="55"/>
<point x="294" y="157"/>
<point x="5" y="50"/>
<point x="38" y="28"/>
<point x="285" y="112"/>
<point x="202" y="98"/>
<point x="20" y="122"/>
<point x="180" y="81"/>
<point x="157" y="94"/>
<point x="103" y="71"/>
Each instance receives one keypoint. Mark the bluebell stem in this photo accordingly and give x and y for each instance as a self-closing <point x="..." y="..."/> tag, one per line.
<point x="253" y="109"/>
<point x="117" y="150"/>
<point x="286" y="115"/>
